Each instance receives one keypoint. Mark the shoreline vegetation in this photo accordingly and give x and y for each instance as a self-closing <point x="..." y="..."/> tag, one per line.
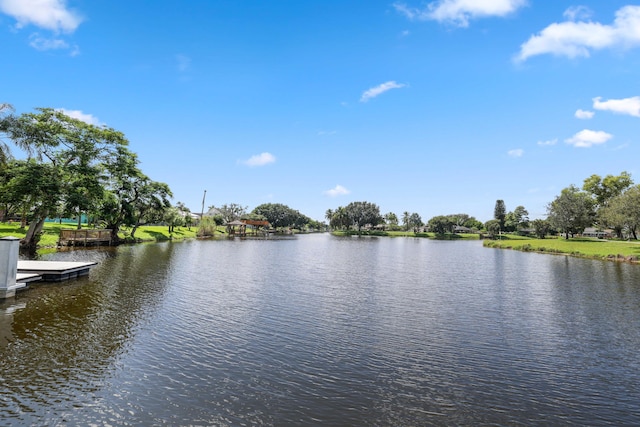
<point x="592" y="248"/>
<point x="581" y="247"/>
<point x="147" y="233"/>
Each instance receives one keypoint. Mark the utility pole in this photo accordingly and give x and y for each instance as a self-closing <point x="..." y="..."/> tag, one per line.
<point x="202" y="211"/>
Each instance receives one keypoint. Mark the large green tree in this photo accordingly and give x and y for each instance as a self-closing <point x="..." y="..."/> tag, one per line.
<point x="572" y="211"/>
<point x="34" y="188"/>
<point x="541" y="228"/>
<point x="131" y="198"/>
<point x="280" y="216"/>
<point x="604" y="189"/>
<point x="517" y="219"/>
<point x="441" y="224"/>
<point x="74" y="149"/>
<point x="623" y="212"/>
<point x="363" y="213"/>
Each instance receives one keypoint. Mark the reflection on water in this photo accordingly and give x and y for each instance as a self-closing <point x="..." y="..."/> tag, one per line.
<point x="325" y="330"/>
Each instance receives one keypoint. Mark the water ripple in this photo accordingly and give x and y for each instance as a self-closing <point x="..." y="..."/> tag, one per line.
<point x="321" y="330"/>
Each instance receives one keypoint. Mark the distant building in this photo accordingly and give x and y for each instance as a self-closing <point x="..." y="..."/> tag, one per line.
<point x="594" y="232"/>
<point x="458" y="229"/>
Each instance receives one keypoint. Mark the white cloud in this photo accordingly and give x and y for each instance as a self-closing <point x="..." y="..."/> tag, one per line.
<point x="49" y="14"/>
<point x="38" y="42"/>
<point x="338" y="190"/>
<point x="578" y="38"/>
<point x="379" y="90"/>
<point x="578" y="13"/>
<point x="630" y="106"/>
<point x="587" y="138"/>
<point x="584" y="115"/>
<point x="79" y="115"/>
<point x="515" y="153"/>
<point x="42" y="43"/>
<point x="548" y="142"/>
<point x="459" y="12"/>
<point x="260" y="159"/>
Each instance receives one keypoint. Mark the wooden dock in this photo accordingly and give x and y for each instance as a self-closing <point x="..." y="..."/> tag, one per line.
<point x="53" y="271"/>
<point x="84" y="237"/>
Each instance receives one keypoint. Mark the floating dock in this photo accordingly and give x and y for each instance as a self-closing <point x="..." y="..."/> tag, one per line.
<point x="52" y="271"/>
<point x="16" y="274"/>
<point x="27" y="277"/>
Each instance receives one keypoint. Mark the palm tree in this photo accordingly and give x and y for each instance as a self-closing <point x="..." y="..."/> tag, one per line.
<point x="405" y="220"/>
<point x="328" y="215"/>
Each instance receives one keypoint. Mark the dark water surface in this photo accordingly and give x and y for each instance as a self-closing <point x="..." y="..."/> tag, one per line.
<point x="319" y="330"/>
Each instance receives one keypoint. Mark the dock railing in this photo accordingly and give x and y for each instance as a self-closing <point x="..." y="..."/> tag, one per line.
<point x="84" y="237"/>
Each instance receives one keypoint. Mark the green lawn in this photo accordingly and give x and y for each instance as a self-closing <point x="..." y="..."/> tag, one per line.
<point x="51" y="232"/>
<point x="582" y="247"/>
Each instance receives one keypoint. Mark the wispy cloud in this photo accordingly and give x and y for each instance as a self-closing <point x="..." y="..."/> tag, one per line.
<point x="629" y="106"/>
<point x="578" y="38"/>
<point x="548" y="143"/>
<point x="48" y="14"/>
<point x="51" y="15"/>
<point x="79" y="115"/>
<point x="587" y="138"/>
<point x="338" y="190"/>
<point x="38" y="42"/>
<point x="460" y="12"/>
<point x="518" y="152"/>
<point x="379" y="90"/>
<point x="184" y="62"/>
<point x="260" y="160"/>
<point x="583" y="114"/>
<point x="578" y="13"/>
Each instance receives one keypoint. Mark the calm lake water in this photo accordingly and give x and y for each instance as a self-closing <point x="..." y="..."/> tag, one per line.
<point x="321" y="330"/>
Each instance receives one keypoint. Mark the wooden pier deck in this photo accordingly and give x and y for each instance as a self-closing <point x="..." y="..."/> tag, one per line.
<point x="54" y="271"/>
<point x="85" y="237"/>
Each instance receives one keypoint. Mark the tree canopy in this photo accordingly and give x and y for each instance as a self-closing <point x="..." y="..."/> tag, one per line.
<point x="85" y="169"/>
<point x="572" y="211"/>
<point x="281" y="216"/>
<point x="355" y="214"/>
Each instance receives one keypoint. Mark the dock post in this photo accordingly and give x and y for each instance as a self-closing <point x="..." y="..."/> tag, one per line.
<point x="9" y="267"/>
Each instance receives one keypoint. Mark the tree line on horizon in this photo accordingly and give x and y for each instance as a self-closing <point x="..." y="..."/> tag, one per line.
<point x="612" y="202"/>
<point x="74" y="168"/>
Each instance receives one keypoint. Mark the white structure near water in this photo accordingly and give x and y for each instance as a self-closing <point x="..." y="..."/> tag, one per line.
<point x="9" y="267"/>
<point x="16" y="274"/>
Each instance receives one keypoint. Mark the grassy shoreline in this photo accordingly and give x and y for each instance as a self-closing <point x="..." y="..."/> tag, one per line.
<point x="612" y="250"/>
<point x="147" y="233"/>
<point x="449" y="236"/>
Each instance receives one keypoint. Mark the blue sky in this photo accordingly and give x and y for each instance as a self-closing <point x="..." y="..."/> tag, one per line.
<point x="433" y="107"/>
